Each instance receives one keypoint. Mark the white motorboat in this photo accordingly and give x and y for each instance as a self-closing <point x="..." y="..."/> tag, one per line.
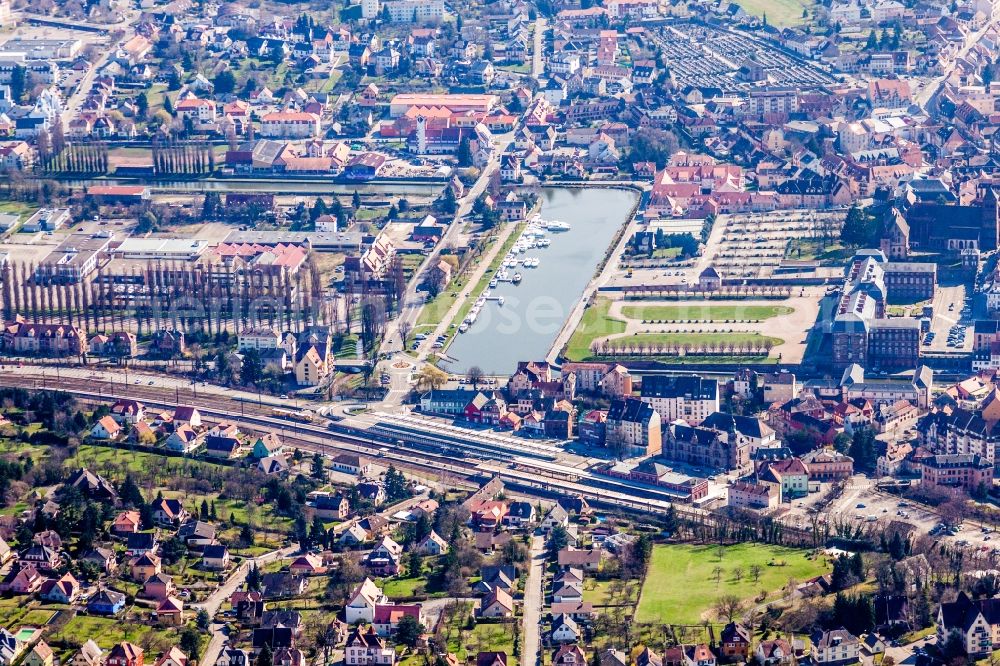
<point x="500" y="300"/>
<point x="463" y="327"/>
<point x="556" y="225"/>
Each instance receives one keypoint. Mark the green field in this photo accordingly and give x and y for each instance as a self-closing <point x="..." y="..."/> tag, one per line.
<point x="595" y="323"/>
<point x="694" y="339"/>
<point x="106" y="631"/>
<point x="705" y="312"/>
<point x="681" y="589"/>
<point x="781" y="13"/>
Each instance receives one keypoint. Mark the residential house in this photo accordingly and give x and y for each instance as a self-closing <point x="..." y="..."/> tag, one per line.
<point x="125" y="654"/>
<point x="89" y="654"/>
<point x="168" y="512"/>
<point x="106" y="602"/>
<point x="835" y="648"/>
<point x="215" y="558"/>
<point x="364" y="647"/>
<point x="62" y="590"/>
<point x="40" y="655"/>
<point x="497" y="604"/>
<point x="170" y="612"/>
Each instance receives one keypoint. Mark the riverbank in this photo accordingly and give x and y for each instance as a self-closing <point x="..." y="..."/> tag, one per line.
<point x="291" y="185"/>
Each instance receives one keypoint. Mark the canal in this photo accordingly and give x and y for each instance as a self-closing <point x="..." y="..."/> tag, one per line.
<point x="526" y="325"/>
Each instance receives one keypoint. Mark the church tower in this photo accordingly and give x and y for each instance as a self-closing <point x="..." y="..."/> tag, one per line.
<point x="989" y="236"/>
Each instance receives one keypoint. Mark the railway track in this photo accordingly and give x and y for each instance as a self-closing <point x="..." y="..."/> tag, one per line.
<point x="530" y="477"/>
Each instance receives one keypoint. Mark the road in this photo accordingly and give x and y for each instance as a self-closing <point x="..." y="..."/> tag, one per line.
<point x="537" y="54"/>
<point x="412" y="301"/>
<point x="471" y="282"/>
<point x="533" y="596"/>
<point x="224" y="591"/>
<point x="73" y="103"/>
<point x="926" y="96"/>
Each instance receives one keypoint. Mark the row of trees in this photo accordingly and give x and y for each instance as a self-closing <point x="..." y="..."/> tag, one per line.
<point x="623" y="347"/>
<point x="183" y="157"/>
<point x="739" y="291"/>
<point x="87" y="158"/>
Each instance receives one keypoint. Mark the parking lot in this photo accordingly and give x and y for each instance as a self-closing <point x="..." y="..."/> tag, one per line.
<point x="704" y="56"/>
<point x="862" y="502"/>
<point x="753" y="245"/>
<point x="952" y="322"/>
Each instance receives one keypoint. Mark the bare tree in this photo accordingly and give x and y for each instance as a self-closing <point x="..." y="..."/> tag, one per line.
<point x="728" y="607"/>
<point x="474" y="376"/>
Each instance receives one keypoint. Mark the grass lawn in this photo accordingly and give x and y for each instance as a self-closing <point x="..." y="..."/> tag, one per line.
<point x="781" y="13"/>
<point x="681" y="584"/>
<point x="695" y="339"/>
<point x="666" y="253"/>
<point x="371" y="213"/>
<point x="804" y="249"/>
<point x="106" y="631"/>
<point x="484" y="638"/>
<point x="704" y="312"/>
<point x="19" y="208"/>
<point x="434" y="311"/>
<point x="595" y="323"/>
<point x="604" y="592"/>
<point x="347" y="348"/>
<point x="113" y="463"/>
<point x="402" y="588"/>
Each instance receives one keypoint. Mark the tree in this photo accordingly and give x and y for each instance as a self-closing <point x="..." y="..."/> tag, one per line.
<point x="558" y="539"/>
<point x="755" y="572"/>
<point x="474" y="376"/>
<point x="18" y="83"/>
<point x="863" y="449"/>
<point x="409" y="630"/>
<point x="405" y="328"/>
<point x="447" y="203"/>
<point x="728" y="607"/>
<point x="717" y="573"/>
<point x="224" y="82"/>
<point x="190" y="642"/>
<point x="203" y="620"/>
<point x="254" y="578"/>
<point x="652" y="145"/>
<point x="246" y="535"/>
<point x="142" y="104"/>
<point x="356" y="201"/>
<point x="396" y="487"/>
<point x="872" y="42"/>
<point x="317" y="466"/>
<point x="431" y="378"/>
<point x="265" y="657"/>
<point x="252" y="368"/>
<point x="464" y="154"/>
